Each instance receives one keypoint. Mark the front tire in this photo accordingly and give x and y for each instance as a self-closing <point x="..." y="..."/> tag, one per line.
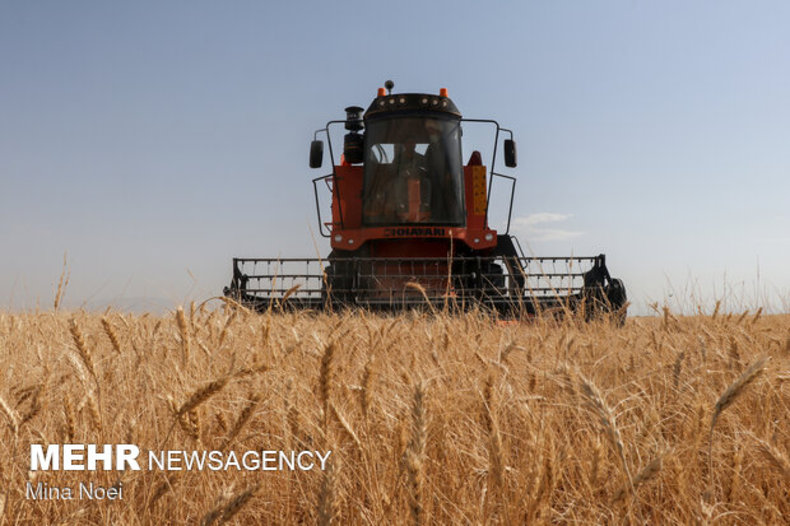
<point x="617" y="299"/>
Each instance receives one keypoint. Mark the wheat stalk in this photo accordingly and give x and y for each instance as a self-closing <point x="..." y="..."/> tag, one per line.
<point x="729" y="396"/>
<point x="62" y="284"/>
<point x="415" y="456"/>
<point x="597" y="403"/>
<point x="606" y="418"/>
<point x="111" y="334"/>
<point x="345" y="425"/>
<point x="68" y="413"/>
<point x="418" y="287"/>
<point x="737" y="464"/>
<point x="222" y="513"/>
<point x="648" y="472"/>
<point x="325" y="380"/>
<point x="236" y="503"/>
<point x="495" y="439"/>
<point x="242" y="420"/>
<point x="223" y="334"/>
<point x="676" y="369"/>
<point x="165" y="486"/>
<point x="183" y="330"/>
<point x="775" y="457"/>
<point x="35" y="404"/>
<point x="82" y="348"/>
<point x="595" y="462"/>
<point x="737" y="387"/>
<point x="222" y="424"/>
<point x="328" y="506"/>
<point x="13" y="417"/>
<point x="367" y="385"/>
<point x="288" y="294"/>
<point x="291" y="412"/>
<point x="189" y="422"/>
<point x="95" y="412"/>
<point x="202" y="394"/>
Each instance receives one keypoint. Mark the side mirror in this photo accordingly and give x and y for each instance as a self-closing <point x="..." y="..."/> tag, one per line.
<point x="510" y="153"/>
<point x="316" y="154"/>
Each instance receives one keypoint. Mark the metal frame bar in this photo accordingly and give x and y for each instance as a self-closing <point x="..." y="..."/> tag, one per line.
<point x="318" y="204"/>
<point x="492" y="173"/>
<point x="335" y="186"/>
<point x="493" y="168"/>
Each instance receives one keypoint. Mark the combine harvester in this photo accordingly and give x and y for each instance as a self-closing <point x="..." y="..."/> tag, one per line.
<point x="410" y="227"/>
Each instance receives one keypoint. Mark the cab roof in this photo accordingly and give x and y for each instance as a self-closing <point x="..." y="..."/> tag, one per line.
<point x="400" y="103"/>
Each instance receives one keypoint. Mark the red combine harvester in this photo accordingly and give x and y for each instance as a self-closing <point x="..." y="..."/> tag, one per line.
<point x="410" y="227"/>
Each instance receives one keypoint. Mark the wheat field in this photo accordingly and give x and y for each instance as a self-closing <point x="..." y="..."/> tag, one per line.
<point x="430" y="419"/>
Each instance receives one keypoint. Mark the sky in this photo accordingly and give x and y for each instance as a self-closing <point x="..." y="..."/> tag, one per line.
<point x="151" y="142"/>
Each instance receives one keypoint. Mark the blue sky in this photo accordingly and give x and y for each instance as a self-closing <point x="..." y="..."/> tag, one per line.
<point x="154" y="141"/>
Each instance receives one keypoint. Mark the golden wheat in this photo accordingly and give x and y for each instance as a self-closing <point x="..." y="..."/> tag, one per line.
<point x="458" y="419"/>
<point x="201" y="394"/>
<point x="111" y="334"/>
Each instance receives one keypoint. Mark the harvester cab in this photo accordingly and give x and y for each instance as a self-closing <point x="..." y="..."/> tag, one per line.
<point x="409" y="225"/>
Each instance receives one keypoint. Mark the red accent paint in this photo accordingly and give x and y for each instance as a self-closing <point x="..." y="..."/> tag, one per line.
<point x="347" y="196"/>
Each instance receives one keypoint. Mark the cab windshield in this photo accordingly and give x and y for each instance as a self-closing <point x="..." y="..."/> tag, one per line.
<point x="413" y="172"/>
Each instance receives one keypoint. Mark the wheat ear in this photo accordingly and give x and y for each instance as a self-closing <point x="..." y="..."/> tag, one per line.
<point x="241" y="421"/>
<point x="489" y="415"/>
<point x="596" y="402"/>
<point x="82" y="348"/>
<point x="62" y="284"/>
<point x="222" y="513"/>
<point x="183" y="330"/>
<point x="367" y="385"/>
<point x="325" y="380"/>
<point x="415" y="456"/>
<point x="328" y="508"/>
<point x="13" y="417"/>
<point x="202" y="394"/>
<point x="68" y="413"/>
<point x="729" y="396"/>
<point x="736" y="388"/>
<point x="650" y="470"/>
<point x="111" y="334"/>
<point x="777" y="459"/>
